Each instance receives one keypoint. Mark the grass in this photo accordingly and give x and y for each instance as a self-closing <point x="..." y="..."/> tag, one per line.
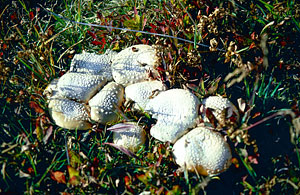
<point x="254" y="45"/>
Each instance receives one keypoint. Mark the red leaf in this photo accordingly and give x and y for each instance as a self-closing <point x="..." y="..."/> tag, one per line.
<point x="31" y="15"/>
<point x="4" y="46"/>
<point x="127" y="183"/>
<point x="13" y="16"/>
<point x="58" y="176"/>
<point x="253" y="36"/>
<point x="103" y="42"/>
<point x="30" y="170"/>
<point x="256" y="114"/>
<point x="252" y="45"/>
<point x="92" y="34"/>
<point x="283" y="43"/>
<point x="36" y="107"/>
<point x="96" y="43"/>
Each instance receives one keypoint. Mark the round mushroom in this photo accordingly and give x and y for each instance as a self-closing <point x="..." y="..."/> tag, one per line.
<point x="131" y="136"/>
<point x="93" y="63"/>
<point x="176" y="110"/>
<point x="221" y="108"/>
<point x="133" y="64"/>
<point x="202" y="150"/>
<point x="79" y="86"/>
<point x="104" y="104"/>
<point x="69" y="114"/>
<point x="142" y="92"/>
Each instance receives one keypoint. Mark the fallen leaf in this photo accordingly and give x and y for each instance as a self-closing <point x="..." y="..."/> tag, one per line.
<point x="74" y="176"/>
<point x="36" y="107"/>
<point x="58" y="176"/>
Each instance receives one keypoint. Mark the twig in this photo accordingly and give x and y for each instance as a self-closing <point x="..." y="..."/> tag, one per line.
<point x="282" y="112"/>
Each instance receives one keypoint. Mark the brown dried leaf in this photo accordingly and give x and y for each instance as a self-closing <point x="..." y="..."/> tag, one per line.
<point x="58" y="176"/>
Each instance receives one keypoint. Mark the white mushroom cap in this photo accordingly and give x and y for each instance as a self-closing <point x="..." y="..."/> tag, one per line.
<point x="202" y="150"/>
<point x="105" y="103"/>
<point x="176" y="110"/>
<point x="131" y="64"/>
<point x="51" y="90"/>
<point x="69" y="114"/>
<point x="218" y="105"/>
<point x="79" y="86"/>
<point x="93" y="63"/>
<point x="131" y="136"/>
<point x="141" y="93"/>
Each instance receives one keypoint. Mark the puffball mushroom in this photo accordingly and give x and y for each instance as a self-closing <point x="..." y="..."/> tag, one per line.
<point x="79" y="86"/>
<point x="69" y="114"/>
<point x="220" y="107"/>
<point x="130" y="136"/>
<point x="51" y="91"/>
<point x="202" y="150"/>
<point x="133" y="64"/>
<point x="93" y="63"/>
<point x="176" y="110"/>
<point x="142" y="92"/>
<point x="105" y="103"/>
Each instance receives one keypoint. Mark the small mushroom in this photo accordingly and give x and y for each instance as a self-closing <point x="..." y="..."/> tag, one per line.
<point x="176" y="110"/>
<point x="221" y="108"/>
<point x="202" y="150"/>
<point x="69" y="114"/>
<point x="79" y="86"/>
<point x="93" y="63"/>
<point x="133" y="64"/>
<point x="142" y="92"/>
<point x="130" y="136"/>
<point x="105" y="103"/>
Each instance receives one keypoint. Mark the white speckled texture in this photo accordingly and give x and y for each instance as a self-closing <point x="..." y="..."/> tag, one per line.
<point x="131" y="64"/>
<point x="141" y="93"/>
<point x="217" y="105"/>
<point x="131" y="138"/>
<point x="79" y="86"/>
<point x="94" y="63"/>
<point x="69" y="114"/>
<point x="203" y="150"/>
<point x="176" y="110"/>
<point x="103" y="104"/>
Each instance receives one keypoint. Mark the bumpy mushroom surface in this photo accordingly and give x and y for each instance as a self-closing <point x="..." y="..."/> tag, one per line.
<point x="105" y="103"/>
<point x="142" y="92"/>
<point x="176" y="110"/>
<point x="131" y="136"/>
<point x="93" y="63"/>
<point x="132" y="64"/>
<point x="202" y="150"/>
<point x="220" y="107"/>
<point x="69" y="114"/>
<point x="79" y="86"/>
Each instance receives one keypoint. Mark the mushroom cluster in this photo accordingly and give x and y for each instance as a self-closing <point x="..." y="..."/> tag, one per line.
<point x="93" y="88"/>
<point x="97" y="85"/>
